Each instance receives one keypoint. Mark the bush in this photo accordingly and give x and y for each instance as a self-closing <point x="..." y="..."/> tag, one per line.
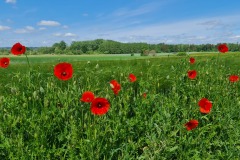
<point x="181" y="54"/>
<point x="145" y="52"/>
<point x="132" y="54"/>
<point x="69" y="53"/>
<point x="93" y="52"/>
<point x="153" y="52"/>
<point x="32" y="52"/>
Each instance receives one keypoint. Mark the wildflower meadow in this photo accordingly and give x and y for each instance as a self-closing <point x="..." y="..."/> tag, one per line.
<point x="177" y="107"/>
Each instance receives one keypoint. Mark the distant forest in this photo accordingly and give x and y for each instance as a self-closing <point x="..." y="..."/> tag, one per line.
<point x="101" y="46"/>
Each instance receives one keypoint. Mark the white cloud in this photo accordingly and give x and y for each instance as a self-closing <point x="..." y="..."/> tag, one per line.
<point x="57" y="34"/>
<point x="48" y="23"/>
<point x="130" y="12"/>
<point x="64" y="35"/>
<point x="27" y="29"/>
<point x="65" y="26"/>
<point x="20" y="31"/>
<point x="42" y="28"/>
<point x="210" y="23"/>
<point x="44" y="42"/>
<point x="235" y="37"/>
<point x="10" y="1"/>
<point x="188" y="31"/>
<point x="69" y="35"/>
<point x="85" y="14"/>
<point x="3" y="28"/>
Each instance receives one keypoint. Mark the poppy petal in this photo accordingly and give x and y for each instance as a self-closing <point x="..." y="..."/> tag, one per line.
<point x="192" y="74"/>
<point x="63" y="71"/>
<point x="192" y="60"/>
<point x="191" y="124"/>
<point x="100" y="106"/>
<point x="116" y="87"/>
<point x="18" y="49"/>
<point x="132" y="77"/>
<point x="87" y="97"/>
<point x="233" y="78"/>
<point x="205" y="105"/>
<point x="4" y="62"/>
<point x="223" y="48"/>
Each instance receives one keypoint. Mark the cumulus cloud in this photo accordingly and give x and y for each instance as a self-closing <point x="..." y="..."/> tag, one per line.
<point x="3" y="28"/>
<point x="27" y="29"/>
<point x="57" y="34"/>
<point x="42" y="28"/>
<point x="235" y="37"/>
<point x="48" y="23"/>
<point x="65" y="26"/>
<point x="20" y="31"/>
<point x="30" y="28"/>
<point x="69" y="35"/>
<point x="64" y="35"/>
<point x="10" y="1"/>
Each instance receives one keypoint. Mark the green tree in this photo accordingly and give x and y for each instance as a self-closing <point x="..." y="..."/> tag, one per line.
<point x="59" y="47"/>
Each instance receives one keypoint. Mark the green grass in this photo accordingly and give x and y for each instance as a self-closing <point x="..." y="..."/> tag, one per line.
<point x="33" y="59"/>
<point x="42" y="117"/>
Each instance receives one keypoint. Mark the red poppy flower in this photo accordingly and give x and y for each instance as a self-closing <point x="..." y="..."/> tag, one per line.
<point x="192" y="74"/>
<point x="4" y="62"/>
<point x="87" y="96"/>
<point x="63" y="71"/>
<point x="205" y="105"/>
<point x="116" y="87"/>
<point x="132" y="77"/>
<point x="18" y="49"/>
<point x="223" y="48"/>
<point x="192" y="60"/>
<point x="191" y="124"/>
<point x="233" y="78"/>
<point x="144" y="95"/>
<point x="100" y="106"/>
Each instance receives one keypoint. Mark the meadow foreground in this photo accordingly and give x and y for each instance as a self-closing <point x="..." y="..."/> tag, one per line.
<point x="156" y="108"/>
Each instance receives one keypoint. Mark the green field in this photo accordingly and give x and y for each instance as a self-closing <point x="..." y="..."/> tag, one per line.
<point x="43" y="118"/>
<point x="72" y="58"/>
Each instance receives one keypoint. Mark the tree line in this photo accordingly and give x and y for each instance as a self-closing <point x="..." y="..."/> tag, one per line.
<point x="101" y="46"/>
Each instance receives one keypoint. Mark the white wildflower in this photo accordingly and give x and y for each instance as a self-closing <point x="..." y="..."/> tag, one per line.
<point x="97" y="66"/>
<point x="41" y="90"/>
<point x="13" y="90"/>
<point x="111" y="85"/>
<point x="35" y="95"/>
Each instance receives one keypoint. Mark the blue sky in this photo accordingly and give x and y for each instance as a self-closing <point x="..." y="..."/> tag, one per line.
<point x="44" y="22"/>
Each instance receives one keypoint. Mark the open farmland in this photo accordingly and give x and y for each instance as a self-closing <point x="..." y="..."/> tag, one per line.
<point x="42" y="117"/>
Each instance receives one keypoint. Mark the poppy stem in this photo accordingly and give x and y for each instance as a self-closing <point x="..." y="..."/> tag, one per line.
<point x="218" y="59"/>
<point x="218" y="64"/>
<point x="29" y="69"/>
<point x="27" y="60"/>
